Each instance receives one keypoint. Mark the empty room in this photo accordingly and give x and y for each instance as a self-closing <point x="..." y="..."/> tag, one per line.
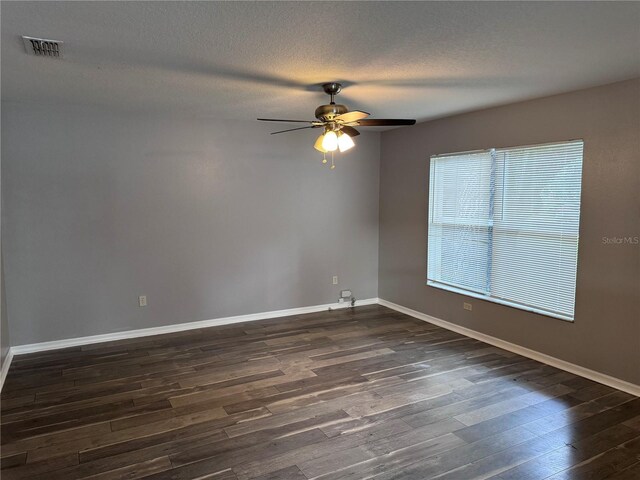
<point x="320" y="240"/>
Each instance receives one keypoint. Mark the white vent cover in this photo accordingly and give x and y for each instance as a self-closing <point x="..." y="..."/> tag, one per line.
<point x="42" y="47"/>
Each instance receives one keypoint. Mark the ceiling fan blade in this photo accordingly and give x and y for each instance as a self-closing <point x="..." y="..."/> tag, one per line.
<point x="352" y="132"/>
<point x="292" y="129"/>
<point x="352" y="116"/>
<point x="380" y="122"/>
<point x="280" y="120"/>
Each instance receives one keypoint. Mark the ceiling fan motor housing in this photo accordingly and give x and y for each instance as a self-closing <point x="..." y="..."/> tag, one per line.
<point x="328" y="112"/>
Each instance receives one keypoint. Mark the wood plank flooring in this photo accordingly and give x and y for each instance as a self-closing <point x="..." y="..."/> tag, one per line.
<point x="347" y="394"/>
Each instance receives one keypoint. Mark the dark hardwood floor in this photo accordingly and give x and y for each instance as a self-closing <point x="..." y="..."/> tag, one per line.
<point x="355" y="393"/>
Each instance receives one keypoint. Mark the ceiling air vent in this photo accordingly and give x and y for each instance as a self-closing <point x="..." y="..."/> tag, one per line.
<point x="42" y="47"/>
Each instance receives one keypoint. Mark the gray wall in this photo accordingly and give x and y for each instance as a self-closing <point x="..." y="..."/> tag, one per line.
<point x="207" y="218"/>
<point x="606" y="333"/>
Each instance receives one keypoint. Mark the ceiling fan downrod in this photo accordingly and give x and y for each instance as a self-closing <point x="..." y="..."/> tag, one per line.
<point x="332" y="89"/>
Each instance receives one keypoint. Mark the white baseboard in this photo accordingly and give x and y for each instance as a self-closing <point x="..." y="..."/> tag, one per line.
<point x="179" y="327"/>
<point x="608" y="380"/>
<point x="5" y="367"/>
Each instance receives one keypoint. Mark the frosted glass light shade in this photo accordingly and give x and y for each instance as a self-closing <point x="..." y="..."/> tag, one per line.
<point x="318" y="144"/>
<point x="330" y="141"/>
<point x="345" y="142"/>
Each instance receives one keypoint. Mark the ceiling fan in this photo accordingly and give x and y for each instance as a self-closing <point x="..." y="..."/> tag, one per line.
<point x="338" y="124"/>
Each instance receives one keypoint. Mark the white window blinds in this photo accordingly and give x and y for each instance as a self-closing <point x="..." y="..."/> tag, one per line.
<point x="503" y="225"/>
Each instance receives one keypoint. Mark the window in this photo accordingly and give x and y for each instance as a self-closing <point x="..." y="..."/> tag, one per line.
<point x="503" y="225"/>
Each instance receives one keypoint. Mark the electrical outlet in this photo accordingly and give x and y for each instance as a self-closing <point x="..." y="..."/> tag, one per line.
<point x="467" y="306"/>
<point x="345" y="293"/>
<point x="335" y="279"/>
<point x="142" y="301"/>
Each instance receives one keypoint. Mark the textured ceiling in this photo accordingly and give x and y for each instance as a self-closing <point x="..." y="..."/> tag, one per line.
<point x="244" y="59"/>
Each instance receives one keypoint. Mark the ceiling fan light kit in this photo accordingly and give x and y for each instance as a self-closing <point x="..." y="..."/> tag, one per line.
<point x="338" y="123"/>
